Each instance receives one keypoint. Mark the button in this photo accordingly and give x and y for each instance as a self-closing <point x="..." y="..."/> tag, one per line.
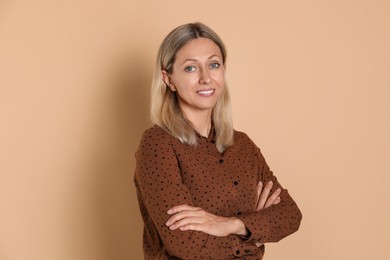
<point x="220" y="160"/>
<point x="237" y="252"/>
<point x="235" y="182"/>
<point x="239" y="213"/>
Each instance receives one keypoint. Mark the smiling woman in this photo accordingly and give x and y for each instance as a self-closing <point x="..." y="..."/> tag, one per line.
<point x="198" y="77"/>
<point x="204" y="189"/>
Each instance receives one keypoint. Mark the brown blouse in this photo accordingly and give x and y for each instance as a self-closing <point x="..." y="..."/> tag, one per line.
<point x="170" y="173"/>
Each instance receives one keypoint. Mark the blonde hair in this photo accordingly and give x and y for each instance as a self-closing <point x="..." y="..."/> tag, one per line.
<point x="165" y="109"/>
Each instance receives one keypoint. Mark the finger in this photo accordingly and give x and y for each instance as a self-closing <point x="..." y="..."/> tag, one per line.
<point x="193" y="226"/>
<point x="183" y="214"/>
<point x="264" y="196"/>
<point x="187" y="221"/>
<point x="272" y="198"/>
<point x="259" y="188"/>
<point x="179" y="208"/>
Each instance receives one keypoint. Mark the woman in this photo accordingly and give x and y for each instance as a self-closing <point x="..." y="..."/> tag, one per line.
<point x="204" y="189"/>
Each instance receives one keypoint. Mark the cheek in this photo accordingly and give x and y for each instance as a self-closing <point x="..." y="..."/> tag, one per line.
<point x="219" y="77"/>
<point x="185" y="81"/>
<point x="221" y="80"/>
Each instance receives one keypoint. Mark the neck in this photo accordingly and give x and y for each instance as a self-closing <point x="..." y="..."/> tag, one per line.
<point x="201" y="120"/>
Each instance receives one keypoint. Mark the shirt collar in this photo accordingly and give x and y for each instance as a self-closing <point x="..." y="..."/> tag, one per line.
<point x="211" y="136"/>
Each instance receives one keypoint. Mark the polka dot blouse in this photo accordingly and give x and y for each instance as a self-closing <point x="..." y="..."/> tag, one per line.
<point x="169" y="173"/>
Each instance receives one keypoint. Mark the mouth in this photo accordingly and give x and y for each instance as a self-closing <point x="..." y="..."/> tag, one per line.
<point x="206" y="92"/>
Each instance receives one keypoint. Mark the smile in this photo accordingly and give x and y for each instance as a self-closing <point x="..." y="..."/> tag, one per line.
<point x="206" y="92"/>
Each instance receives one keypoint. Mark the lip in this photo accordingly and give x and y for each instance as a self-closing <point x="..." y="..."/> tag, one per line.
<point x="206" y="92"/>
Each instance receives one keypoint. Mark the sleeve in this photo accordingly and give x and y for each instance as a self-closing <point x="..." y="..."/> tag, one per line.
<point x="277" y="221"/>
<point x="159" y="184"/>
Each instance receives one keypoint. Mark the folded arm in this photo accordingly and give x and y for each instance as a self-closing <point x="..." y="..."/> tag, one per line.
<point x="159" y="188"/>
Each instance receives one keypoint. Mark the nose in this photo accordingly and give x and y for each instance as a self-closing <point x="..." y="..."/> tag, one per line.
<point x="204" y="77"/>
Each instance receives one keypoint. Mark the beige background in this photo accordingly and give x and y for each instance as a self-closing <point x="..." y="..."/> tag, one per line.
<point x="310" y="83"/>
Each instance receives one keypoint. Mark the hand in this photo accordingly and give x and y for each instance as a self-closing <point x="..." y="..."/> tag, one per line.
<point x="186" y="217"/>
<point x="263" y="199"/>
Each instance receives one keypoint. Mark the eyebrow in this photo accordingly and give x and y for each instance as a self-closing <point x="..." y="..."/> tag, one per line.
<point x="212" y="56"/>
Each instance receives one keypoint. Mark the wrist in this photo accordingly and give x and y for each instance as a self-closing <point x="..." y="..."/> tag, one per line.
<point x="238" y="227"/>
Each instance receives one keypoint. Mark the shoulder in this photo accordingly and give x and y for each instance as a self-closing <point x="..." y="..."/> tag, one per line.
<point x="155" y="131"/>
<point x="240" y="135"/>
<point x="156" y="136"/>
<point x="241" y="139"/>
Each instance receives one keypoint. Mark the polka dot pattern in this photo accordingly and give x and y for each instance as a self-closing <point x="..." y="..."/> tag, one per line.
<point x="170" y="173"/>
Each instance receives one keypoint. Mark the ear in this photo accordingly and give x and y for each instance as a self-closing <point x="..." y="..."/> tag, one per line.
<point x="167" y="80"/>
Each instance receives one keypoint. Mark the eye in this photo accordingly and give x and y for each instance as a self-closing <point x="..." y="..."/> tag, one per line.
<point x="190" y="69"/>
<point x="214" y="65"/>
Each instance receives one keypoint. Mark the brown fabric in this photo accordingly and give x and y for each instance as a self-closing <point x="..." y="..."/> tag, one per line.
<point x="170" y="173"/>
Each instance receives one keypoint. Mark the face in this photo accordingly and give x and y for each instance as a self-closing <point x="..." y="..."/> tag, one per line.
<point x="198" y="76"/>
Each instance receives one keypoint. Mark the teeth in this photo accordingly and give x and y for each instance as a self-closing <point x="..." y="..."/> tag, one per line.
<point x="206" y="92"/>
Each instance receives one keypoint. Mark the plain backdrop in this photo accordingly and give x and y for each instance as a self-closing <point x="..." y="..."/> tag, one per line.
<point x="310" y="84"/>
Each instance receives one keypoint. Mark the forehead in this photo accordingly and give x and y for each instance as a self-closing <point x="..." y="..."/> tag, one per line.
<point x="198" y="48"/>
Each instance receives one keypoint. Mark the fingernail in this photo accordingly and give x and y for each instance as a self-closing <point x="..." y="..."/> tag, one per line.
<point x="169" y="211"/>
<point x="260" y="183"/>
